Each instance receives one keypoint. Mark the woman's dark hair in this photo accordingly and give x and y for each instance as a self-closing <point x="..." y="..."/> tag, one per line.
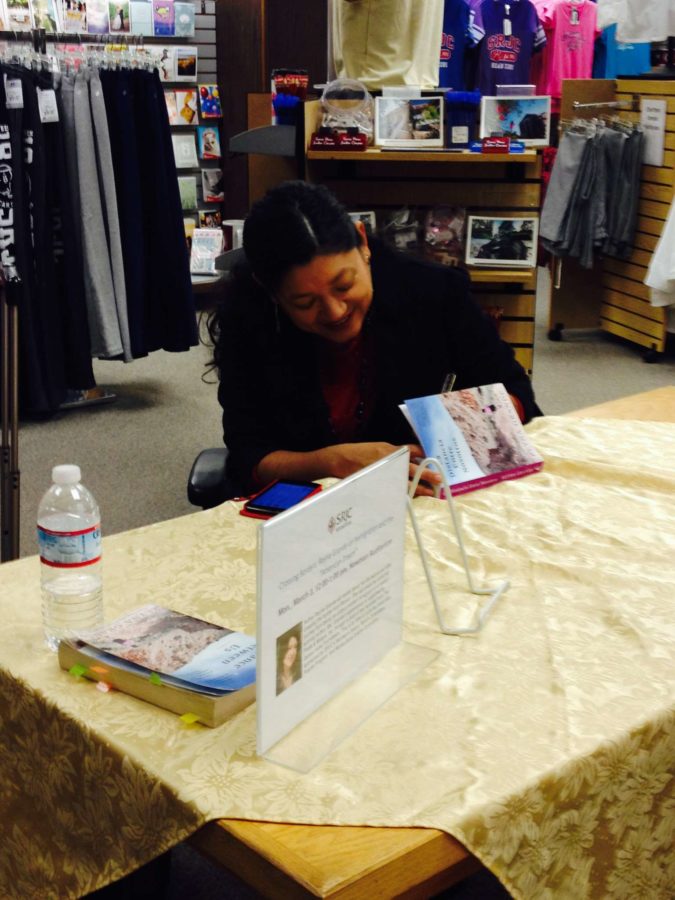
<point x="291" y="225"/>
<point x="288" y="227"/>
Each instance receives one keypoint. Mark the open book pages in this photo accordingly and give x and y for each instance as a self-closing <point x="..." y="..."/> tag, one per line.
<point x="475" y="434"/>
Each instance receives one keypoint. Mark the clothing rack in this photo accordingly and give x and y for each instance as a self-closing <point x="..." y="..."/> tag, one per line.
<point x="632" y="105"/>
<point x="9" y="310"/>
<point x="9" y="414"/>
<point x="612" y="295"/>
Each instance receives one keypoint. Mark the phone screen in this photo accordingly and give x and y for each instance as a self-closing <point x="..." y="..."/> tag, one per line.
<point x="280" y="496"/>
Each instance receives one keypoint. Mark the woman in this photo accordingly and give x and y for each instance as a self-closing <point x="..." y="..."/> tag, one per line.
<point x="324" y="332"/>
<point x="289" y="666"/>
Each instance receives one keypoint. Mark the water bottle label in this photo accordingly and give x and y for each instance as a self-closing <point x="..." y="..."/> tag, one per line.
<point x="70" y="549"/>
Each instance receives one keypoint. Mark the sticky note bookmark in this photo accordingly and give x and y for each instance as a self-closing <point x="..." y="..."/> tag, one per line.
<point x="77" y="671"/>
<point x="155" y="679"/>
<point x="189" y="718"/>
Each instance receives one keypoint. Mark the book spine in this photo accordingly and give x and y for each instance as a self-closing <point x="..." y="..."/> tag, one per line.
<point x="508" y="475"/>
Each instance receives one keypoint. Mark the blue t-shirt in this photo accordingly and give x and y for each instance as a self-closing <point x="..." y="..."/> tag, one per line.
<point x="505" y="58"/>
<point x="613" y="58"/>
<point x="454" y="40"/>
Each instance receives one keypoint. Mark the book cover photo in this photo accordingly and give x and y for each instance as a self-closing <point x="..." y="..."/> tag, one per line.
<point x="476" y="435"/>
<point x="209" y="101"/>
<point x="186" y="106"/>
<point x="163" y="18"/>
<point x="185" y="151"/>
<point x="212" y="185"/>
<point x="208" y="141"/>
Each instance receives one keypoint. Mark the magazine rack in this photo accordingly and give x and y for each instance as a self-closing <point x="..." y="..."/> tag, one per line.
<point x="494" y="593"/>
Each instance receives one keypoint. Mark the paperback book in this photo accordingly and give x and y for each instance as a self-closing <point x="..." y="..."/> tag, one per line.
<point x="74" y="14"/>
<point x="185" y="68"/>
<point x="187" y="186"/>
<point x="475" y="434"/>
<point x="208" y="140"/>
<point x="141" y="17"/>
<point x="118" y="12"/>
<point x="186" y="106"/>
<point x="207" y="245"/>
<point x="209" y="101"/>
<point x="19" y="16"/>
<point x="178" y="662"/>
<point x="185" y="151"/>
<point x="163" y="18"/>
<point x="184" y="19"/>
<point x="212" y="185"/>
<point x="46" y="15"/>
<point x="98" y="21"/>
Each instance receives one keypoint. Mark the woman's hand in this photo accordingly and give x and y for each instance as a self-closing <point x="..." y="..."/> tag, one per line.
<point x="345" y="459"/>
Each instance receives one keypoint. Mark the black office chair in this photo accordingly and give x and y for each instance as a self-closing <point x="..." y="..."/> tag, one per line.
<point x="208" y="484"/>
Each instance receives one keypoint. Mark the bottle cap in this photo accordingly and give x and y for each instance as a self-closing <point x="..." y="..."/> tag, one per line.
<point x="66" y="474"/>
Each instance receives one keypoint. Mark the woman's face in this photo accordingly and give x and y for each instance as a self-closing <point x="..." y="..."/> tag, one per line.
<point x="330" y="295"/>
<point x="291" y="652"/>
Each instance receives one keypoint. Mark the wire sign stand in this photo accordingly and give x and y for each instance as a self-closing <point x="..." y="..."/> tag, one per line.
<point x="482" y="612"/>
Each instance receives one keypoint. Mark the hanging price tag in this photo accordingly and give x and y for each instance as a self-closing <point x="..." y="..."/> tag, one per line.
<point x="13" y="93"/>
<point x="49" y="111"/>
<point x="507" y="21"/>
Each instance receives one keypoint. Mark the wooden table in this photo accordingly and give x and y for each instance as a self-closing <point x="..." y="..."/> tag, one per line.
<point x="353" y="863"/>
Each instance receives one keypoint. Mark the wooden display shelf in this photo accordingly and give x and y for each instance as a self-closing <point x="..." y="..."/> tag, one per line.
<point x="371" y="154"/>
<point x="500" y="276"/>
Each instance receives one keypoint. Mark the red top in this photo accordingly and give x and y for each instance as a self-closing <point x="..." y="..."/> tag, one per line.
<point x="348" y="384"/>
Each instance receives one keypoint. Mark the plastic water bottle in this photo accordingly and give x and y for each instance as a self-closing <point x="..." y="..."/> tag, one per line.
<point x="69" y="539"/>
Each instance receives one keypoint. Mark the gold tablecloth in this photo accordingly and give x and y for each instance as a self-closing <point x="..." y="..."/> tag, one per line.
<point x="545" y="744"/>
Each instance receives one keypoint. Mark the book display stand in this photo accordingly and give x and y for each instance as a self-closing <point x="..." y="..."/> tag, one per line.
<point x="494" y="593"/>
<point x="341" y="716"/>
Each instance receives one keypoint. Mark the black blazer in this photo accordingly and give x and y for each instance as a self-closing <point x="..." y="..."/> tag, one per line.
<point x="425" y="326"/>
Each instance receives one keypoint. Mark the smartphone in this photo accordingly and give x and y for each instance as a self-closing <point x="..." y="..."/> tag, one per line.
<point x="278" y="496"/>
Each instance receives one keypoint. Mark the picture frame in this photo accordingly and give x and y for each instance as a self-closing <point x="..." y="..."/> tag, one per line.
<point x="409" y="122"/>
<point x="503" y="241"/>
<point x="526" y="119"/>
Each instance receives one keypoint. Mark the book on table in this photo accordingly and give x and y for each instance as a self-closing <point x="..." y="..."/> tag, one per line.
<point x="475" y="434"/>
<point x="178" y="662"/>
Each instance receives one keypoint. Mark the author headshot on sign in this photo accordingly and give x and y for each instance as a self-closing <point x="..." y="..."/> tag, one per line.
<point x="289" y="658"/>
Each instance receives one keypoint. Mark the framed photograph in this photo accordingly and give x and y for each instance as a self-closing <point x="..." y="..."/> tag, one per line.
<point x="527" y="119"/>
<point x="409" y="122"/>
<point x="501" y="241"/>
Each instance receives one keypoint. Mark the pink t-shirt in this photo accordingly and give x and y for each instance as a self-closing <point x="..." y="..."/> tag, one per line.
<point x="571" y="29"/>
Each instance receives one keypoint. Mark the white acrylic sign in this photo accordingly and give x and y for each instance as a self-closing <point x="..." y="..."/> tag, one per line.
<point x="653" y="121"/>
<point x="330" y="593"/>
